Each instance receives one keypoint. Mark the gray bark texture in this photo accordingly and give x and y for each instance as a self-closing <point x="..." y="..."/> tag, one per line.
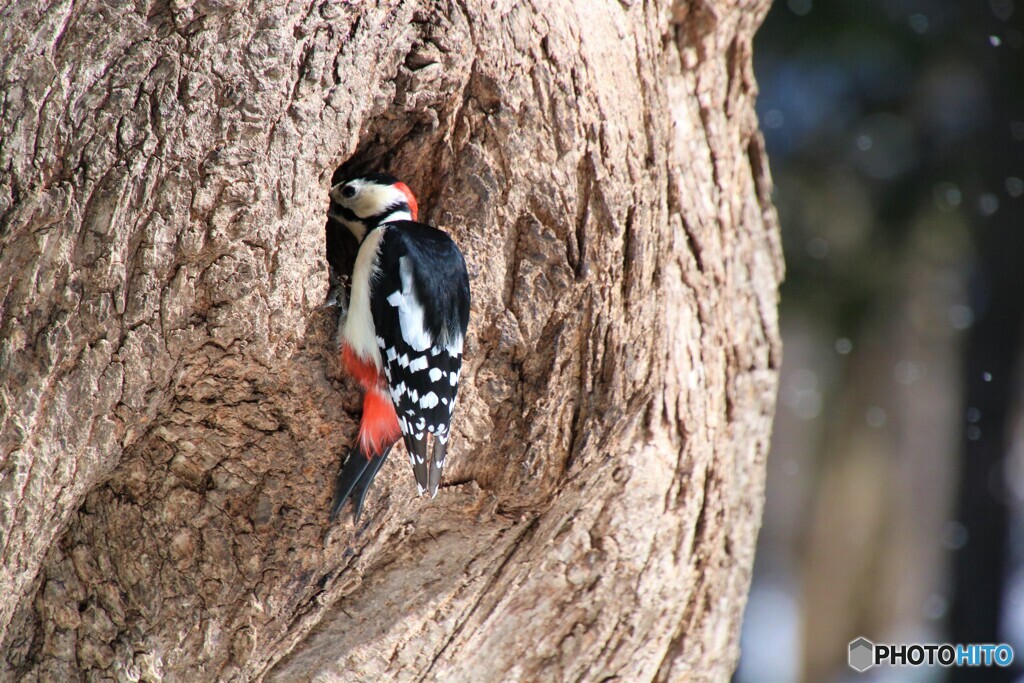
<point x="173" y="408"/>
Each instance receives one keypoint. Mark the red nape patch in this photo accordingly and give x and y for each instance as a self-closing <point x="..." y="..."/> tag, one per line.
<point x="379" y="426"/>
<point x="362" y="369"/>
<point x="414" y="208"/>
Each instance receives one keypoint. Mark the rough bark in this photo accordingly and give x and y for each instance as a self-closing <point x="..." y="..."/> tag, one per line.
<point x="173" y="410"/>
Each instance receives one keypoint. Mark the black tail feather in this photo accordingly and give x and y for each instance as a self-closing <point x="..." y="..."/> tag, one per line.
<point x="437" y="464"/>
<point x="354" y="479"/>
<point x="419" y="457"/>
<point x="363" y="485"/>
<point x="352" y="468"/>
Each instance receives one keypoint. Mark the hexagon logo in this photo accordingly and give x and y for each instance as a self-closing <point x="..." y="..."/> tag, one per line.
<point x="862" y="654"/>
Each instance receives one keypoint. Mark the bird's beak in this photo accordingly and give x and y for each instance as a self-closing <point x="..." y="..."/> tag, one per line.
<point x="335" y="193"/>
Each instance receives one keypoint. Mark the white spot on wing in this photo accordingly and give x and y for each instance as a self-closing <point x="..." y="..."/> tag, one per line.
<point x="435" y="374"/>
<point x="429" y="400"/>
<point x="417" y="364"/>
<point x="410" y="312"/>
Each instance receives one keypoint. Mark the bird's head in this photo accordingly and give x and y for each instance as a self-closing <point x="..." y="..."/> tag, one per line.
<point x="364" y="202"/>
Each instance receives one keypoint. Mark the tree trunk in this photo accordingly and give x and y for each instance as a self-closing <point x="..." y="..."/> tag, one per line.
<point x="173" y="407"/>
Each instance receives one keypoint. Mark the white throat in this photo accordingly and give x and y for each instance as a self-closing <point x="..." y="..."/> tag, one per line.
<point x="357" y="228"/>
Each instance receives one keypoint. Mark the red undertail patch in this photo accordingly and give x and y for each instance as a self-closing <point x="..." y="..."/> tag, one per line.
<point x="379" y="426"/>
<point x="364" y="370"/>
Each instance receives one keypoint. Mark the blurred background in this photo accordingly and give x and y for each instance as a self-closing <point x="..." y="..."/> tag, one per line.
<point x="895" y="501"/>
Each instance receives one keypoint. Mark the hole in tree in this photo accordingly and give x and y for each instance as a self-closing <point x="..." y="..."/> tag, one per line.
<point x="395" y="146"/>
<point x="372" y="156"/>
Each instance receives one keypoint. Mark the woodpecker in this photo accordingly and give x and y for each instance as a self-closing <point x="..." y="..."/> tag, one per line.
<point x="402" y="335"/>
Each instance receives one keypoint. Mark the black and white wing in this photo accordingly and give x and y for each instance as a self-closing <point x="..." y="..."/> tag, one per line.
<point x="420" y="307"/>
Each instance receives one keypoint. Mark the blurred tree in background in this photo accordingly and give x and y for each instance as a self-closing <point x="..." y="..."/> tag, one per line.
<point x="895" y="130"/>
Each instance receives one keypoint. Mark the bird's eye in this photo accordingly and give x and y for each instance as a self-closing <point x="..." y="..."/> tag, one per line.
<point x="348" y="192"/>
